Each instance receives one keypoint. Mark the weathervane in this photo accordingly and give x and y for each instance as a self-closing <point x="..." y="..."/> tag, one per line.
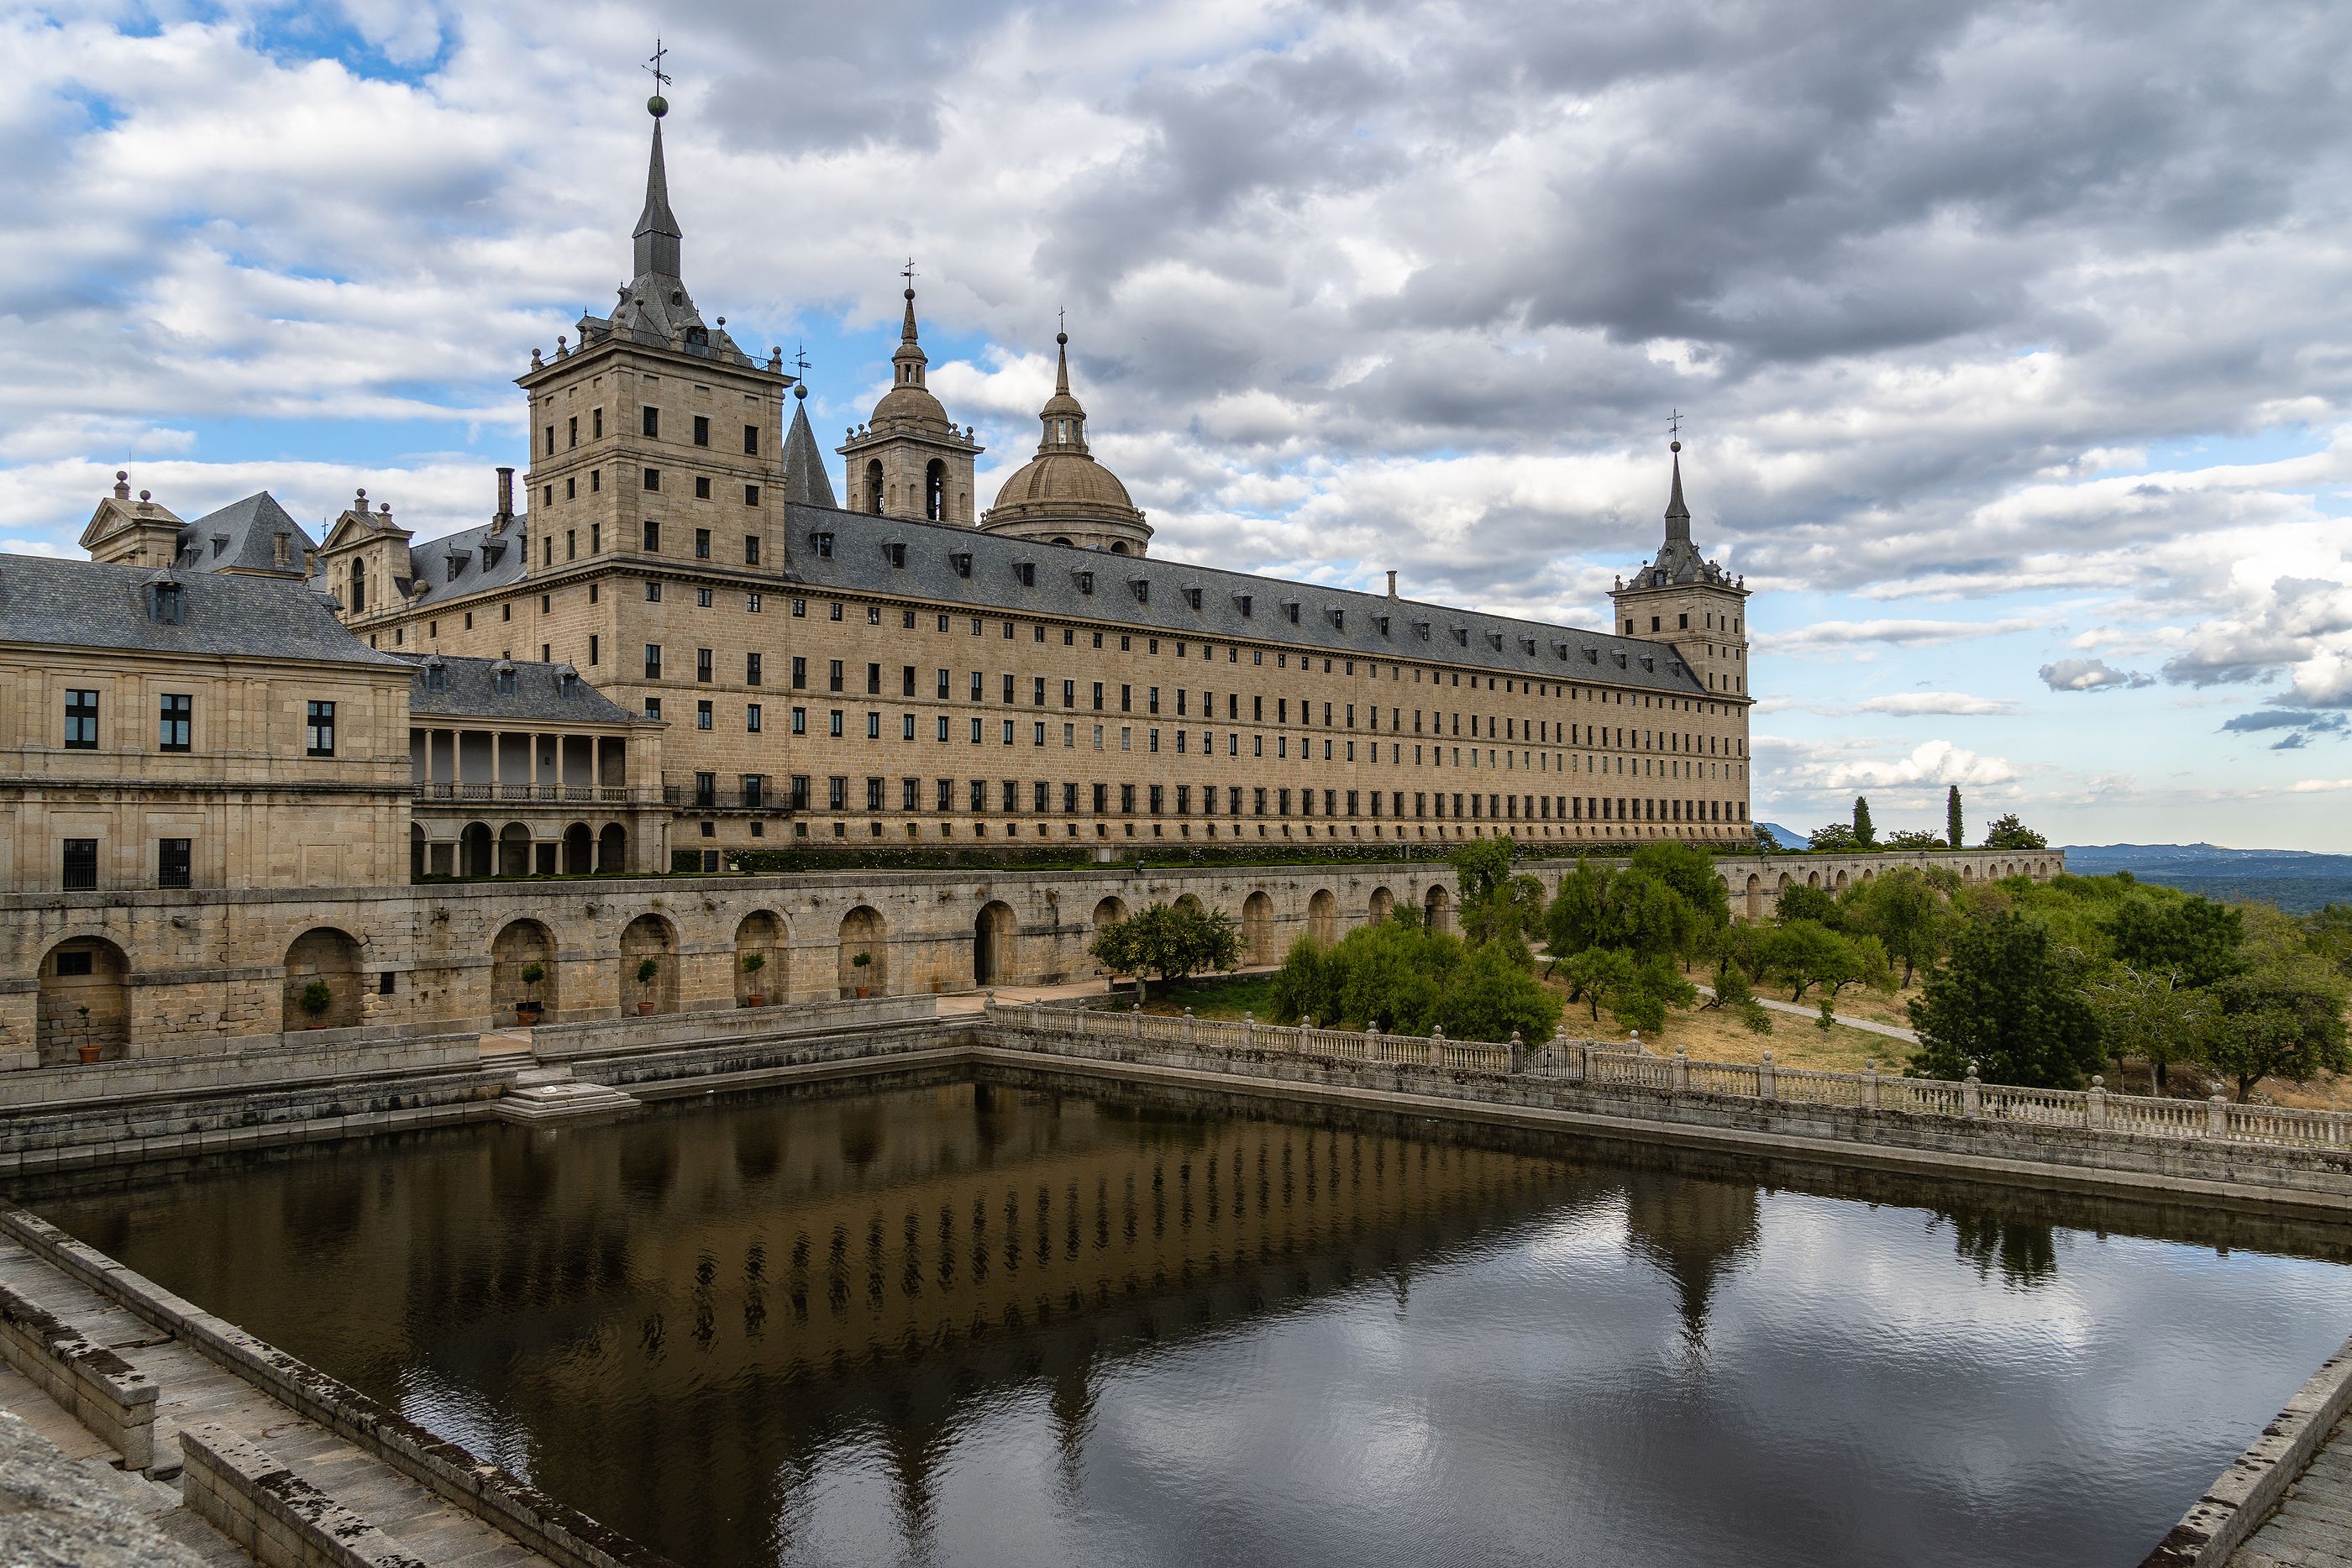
<point x="1674" y="422"/>
<point x="655" y="65"/>
<point x="1062" y="320"/>
<point x="800" y="361"/>
<point x="908" y="272"/>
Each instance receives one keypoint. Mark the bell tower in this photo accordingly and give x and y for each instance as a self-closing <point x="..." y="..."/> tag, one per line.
<point x="1689" y="603"/>
<point x="908" y="460"/>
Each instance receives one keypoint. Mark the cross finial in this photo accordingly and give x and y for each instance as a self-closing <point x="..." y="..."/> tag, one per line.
<point x="654" y="64"/>
<point x="800" y="361"/>
<point x="1061" y="320"/>
<point x="908" y="272"/>
<point x="1674" y="422"/>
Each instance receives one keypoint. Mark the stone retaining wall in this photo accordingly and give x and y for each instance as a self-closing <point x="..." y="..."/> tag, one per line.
<point x="180" y="973"/>
<point x="276" y="1516"/>
<point x="106" y="1394"/>
<point x="2217" y="1524"/>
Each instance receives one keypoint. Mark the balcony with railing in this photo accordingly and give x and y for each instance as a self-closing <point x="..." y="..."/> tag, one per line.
<point x="545" y="794"/>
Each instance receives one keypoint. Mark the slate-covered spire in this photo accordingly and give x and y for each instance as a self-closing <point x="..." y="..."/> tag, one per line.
<point x="805" y="484"/>
<point x="658" y="233"/>
<point x="1677" y="514"/>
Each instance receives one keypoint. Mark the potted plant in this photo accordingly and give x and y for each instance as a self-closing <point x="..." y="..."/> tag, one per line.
<point x="316" y="999"/>
<point x="90" y="1049"/>
<point x="647" y="968"/>
<point x="752" y="964"/>
<point x="528" y="1006"/>
<point x="859" y="962"/>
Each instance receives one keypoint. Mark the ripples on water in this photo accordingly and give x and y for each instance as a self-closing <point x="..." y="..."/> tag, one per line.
<point x="984" y="1325"/>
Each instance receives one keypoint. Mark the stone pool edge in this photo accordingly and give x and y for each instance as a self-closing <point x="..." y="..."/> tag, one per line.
<point x="2235" y="1506"/>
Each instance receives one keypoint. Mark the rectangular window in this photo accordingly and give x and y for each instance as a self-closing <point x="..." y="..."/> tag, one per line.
<point x="653" y="422"/>
<point x="82" y="720"/>
<point x="873" y="680"/>
<point x="595" y="646"/>
<point x="832" y="723"/>
<point x="702" y="663"/>
<point x="653" y="660"/>
<point x="573" y="428"/>
<point x="751" y="549"/>
<point x="837" y="792"/>
<point x="750" y="441"/>
<point x="653" y="478"/>
<point x="701" y="543"/>
<point x="702" y="715"/>
<point x="175" y="722"/>
<point x="702" y="487"/>
<point x="1102" y="800"/>
<point x="319" y="729"/>
<point x="800" y="673"/>
<point x="652" y="538"/>
<point x="800" y="721"/>
<point x="751" y="717"/>
<point x="751" y="495"/>
<point x="701" y="430"/>
<point x="751" y="669"/>
<point x="832" y="675"/>
<point x="81" y="864"/>
<point x="653" y="707"/>
<point x="874" y="794"/>
<point x="173" y="863"/>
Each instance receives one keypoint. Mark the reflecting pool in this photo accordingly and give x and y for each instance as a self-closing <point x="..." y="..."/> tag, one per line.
<point x="975" y="1324"/>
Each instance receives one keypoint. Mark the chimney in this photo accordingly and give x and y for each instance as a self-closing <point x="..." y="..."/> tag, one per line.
<point x="1391" y="582"/>
<point x="505" y="495"/>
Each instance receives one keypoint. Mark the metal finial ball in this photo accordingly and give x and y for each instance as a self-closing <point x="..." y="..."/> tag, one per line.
<point x="657" y="106"/>
<point x="801" y="391"/>
<point x="1062" y="338"/>
<point x="1674" y="446"/>
<point x="121" y="474"/>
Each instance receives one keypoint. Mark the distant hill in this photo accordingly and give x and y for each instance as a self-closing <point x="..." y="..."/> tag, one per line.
<point x="2295" y="880"/>
<point x="1786" y="837"/>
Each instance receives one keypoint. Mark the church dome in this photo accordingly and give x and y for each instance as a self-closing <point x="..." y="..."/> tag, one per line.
<point x="909" y="402"/>
<point x="1063" y="496"/>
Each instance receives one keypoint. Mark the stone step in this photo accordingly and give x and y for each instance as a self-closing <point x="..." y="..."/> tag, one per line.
<point x="561" y="1100"/>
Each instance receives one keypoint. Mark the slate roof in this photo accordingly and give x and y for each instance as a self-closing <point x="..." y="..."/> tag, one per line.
<point x="462" y="563"/>
<point x="1331" y="620"/>
<point x="243" y="535"/>
<point x="806" y="483"/>
<point x="468" y="690"/>
<point x="84" y="604"/>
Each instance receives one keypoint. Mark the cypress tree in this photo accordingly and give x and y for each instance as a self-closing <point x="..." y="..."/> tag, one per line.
<point x="1864" y="833"/>
<point x="1952" y="817"/>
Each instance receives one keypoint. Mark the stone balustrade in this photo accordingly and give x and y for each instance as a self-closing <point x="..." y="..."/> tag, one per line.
<point x="2095" y="1109"/>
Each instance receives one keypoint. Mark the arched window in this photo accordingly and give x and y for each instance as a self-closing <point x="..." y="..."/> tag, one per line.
<point x="1062" y="431"/>
<point x="358" y="586"/>
<point x="874" y="486"/>
<point x="935" y="491"/>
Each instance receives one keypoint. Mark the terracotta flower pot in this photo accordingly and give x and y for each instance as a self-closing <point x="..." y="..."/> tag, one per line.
<point x="91" y="1053"/>
<point x="863" y="992"/>
<point x="526" y="1013"/>
<point x="644" y="1009"/>
<point x="755" y="1001"/>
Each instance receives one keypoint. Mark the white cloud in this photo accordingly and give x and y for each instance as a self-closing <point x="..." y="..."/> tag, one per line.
<point x="2090" y="675"/>
<point x="1898" y="634"/>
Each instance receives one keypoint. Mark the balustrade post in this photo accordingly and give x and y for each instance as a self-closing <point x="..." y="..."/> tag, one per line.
<point x="1971" y="1093"/>
<point x="1518" y="1052"/>
<point x="1436" y="1047"/>
<point x="1191" y="1028"/>
<point x="1249" y="1031"/>
<point x="2217" y="1117"/>
<point x="1764" y="1077"/>
<point x="1679" y="1075"/>
<point x="2095" y="1102"/>
<point x="1870" y="1084"/>
<point x="1135" y="1021"/>
<point x="1372" y="1039"/>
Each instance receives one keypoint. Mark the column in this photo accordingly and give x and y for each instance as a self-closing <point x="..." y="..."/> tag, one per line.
<point x="596" y="763"/>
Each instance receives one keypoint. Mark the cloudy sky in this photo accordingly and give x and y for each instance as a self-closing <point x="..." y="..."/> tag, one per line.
<point x="2009" y="339"/>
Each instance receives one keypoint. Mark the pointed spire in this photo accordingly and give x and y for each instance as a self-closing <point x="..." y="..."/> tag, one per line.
<point x="1062" y="369"/>
<point x="1063" y="417"/>
<point x="1677" y="514"/>
<point x="805" y="484"/>
<point x="906" y="364"/>
<point x="906" y="327"/>
<point x="658" y="233"/>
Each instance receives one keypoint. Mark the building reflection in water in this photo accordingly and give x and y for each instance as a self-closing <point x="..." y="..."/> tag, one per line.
<point x="673" y="1322"/>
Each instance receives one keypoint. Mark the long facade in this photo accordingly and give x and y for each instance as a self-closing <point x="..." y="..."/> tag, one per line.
<point x="910" y="672"/>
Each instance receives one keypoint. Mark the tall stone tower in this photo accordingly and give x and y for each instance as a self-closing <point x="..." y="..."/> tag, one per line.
<point x="1689" y="603"/>
<point x="656" y="436"/>
<point x="908" y="460"/>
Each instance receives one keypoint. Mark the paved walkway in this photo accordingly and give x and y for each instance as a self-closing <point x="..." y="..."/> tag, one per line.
<point x="1892" y="1031"/>
<point x="192" y="1391"/>
<point x="2313" y="1528"/>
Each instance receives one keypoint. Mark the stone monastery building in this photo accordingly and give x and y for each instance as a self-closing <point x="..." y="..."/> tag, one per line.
<point x="678" y="640"/>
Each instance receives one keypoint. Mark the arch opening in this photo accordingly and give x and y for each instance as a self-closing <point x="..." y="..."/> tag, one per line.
<point x="82" y="1012"/>
<point x="992" y="943"/>
<point x="1258" y="928"/>
<point x="649" y="966"/>
<point x="522" y="946"/>
<point x="760" y="967"/>
<point x="864" y="937"/>
<point x="1323" y="918"/>
<point x="323" y="981"/>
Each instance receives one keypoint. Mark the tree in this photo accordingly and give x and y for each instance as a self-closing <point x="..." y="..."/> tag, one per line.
<point x="1733" y="995"/>
<point x="1496" y="906"/>
<point x="2149" y="1014"/>
<point x="1690" y="872"/>
<point x="1864" y="833"/>
<point x="1904" y="911"/>
<point x="1913" y="838"/>
<point x="1599" y="907"/>
<point x="2193" y="937"/>
<point x="1952" y="816"/>
<point x="2282" y="1019"/>
<point x="1595" y="974"/>
<point x="1411" y="980"/>
<point x="1835" y="836"/>
<point x="1490" y="997"/>
<point x="2006" y="1001"/>
<point x="2008" y="833"/>
<point x="1765" y="842"/>
<point x="1170" y="940"/>
<point x="1804" y="902"/>
<point x="1805" y="953"/>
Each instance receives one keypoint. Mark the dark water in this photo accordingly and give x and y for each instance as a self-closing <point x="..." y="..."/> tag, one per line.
<point x="989" y="1325"/>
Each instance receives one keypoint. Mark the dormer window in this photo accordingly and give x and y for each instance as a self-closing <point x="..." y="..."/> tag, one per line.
<point x="1142" y="586"/>
<point x="437" y="675"/>
<point x="1621" y="659"/>
<point x="567" y="681"/>
<point x="1494" y="641"/>
<point x="1290" y="611"/>
<point x="1339" y="619"/>
<point x="492" y="551"/>
<point x="1421" y="630"/>
<point x="1382" y="623"/>
<point x="1085" y="579"/>
<point x="1192" y="598"/>
<point x="896" y="554"/>
<point x="502" y="679"/>
<point x="1527" y="644"/>
<point x="220" y="543"/>
<point x="454" y="565"/>
<point x="1462" y="636"/>
<point x="1592" y="656"/>
<point x="1649" y="663"/>
<point x="1242" y="603"/>
<point x="164" y="602"/>
<point x="961" y="561"/>
<point x="823" y="544"/>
